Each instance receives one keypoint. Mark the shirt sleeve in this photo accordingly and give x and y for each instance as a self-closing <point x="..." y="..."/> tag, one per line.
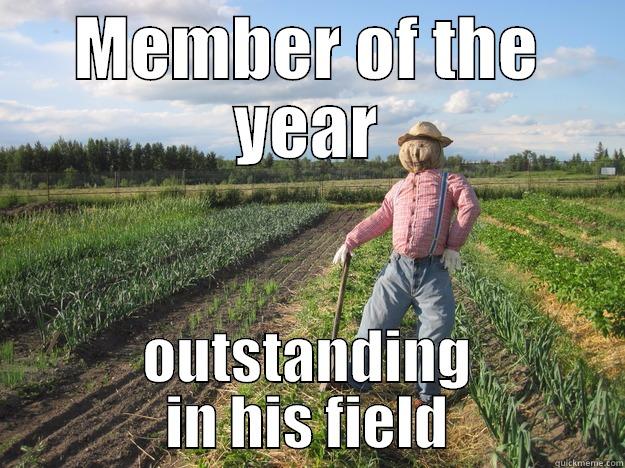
<point x="375" y="225"/>
<point x="468" y="206"/>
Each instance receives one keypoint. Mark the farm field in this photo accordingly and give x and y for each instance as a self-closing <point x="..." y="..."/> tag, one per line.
<point x="575" y="248"/>
<point x="531" y="384"/>
<point x="66" y="277"/>
<point x="84" y="290"/>
<point x="70" y="424"/>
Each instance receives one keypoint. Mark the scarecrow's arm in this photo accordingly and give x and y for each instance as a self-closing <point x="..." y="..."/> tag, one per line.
<point x="468" y="208"/>
<point x="373" y="226"/>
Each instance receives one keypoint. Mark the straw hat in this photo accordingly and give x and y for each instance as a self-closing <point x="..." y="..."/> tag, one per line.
<point x="424" y="129"/>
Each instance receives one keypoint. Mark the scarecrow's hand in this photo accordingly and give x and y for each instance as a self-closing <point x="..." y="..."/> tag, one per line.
<point x="451" y="260"/>
<point x="341" y="255"/>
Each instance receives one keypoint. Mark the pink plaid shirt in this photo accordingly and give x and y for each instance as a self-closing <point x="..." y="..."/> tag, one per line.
<point x="413" y="217"/>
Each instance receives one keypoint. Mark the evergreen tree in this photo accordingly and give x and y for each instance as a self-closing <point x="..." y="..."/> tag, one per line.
<point x="211" y="161"/>
<point x="136" y="158"/>
<point x="297" y="169"/>
<point x="268" y="160"/>
<point x="599" y="151"/>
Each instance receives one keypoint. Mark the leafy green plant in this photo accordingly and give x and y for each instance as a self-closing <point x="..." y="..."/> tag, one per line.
<point x="590" y="275"/>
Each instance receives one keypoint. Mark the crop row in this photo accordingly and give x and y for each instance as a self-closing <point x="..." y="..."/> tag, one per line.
<point x="498" y="408"/>
<point x="580" y="397"/>
<point x="590" y="275"/>
<point x="81" y="287"/>
<point x="574" y="216"/>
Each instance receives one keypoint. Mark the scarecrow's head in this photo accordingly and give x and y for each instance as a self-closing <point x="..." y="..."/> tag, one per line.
<point x="422" y="147"/>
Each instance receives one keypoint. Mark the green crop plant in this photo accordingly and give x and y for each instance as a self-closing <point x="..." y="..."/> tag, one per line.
<point x="214" y="306"/>
<point x="270" y="287"/>
<point x="581" y="398"/>
<point x="498" y="408"/>
<point x="248" y="287"/>
<point x="6" y="352"/>
<point x="590" y="275"/>
<point x="77" y="273"/>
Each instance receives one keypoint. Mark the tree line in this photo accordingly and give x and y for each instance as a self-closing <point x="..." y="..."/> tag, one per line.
<point x="118" y="162"/>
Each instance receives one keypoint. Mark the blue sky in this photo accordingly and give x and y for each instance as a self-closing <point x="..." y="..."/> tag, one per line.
<point x="574" y="100"/>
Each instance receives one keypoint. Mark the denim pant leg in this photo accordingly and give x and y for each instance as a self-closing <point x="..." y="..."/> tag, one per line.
<point x="435" y="306"/>
<point x="386" y="307"/>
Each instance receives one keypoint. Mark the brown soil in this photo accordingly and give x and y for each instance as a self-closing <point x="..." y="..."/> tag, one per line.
<point x="615" y="246"/>
<point x="103" y="412"/>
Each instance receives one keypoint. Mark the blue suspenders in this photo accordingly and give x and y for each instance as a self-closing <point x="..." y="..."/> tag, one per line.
<point x="439" y="213"/>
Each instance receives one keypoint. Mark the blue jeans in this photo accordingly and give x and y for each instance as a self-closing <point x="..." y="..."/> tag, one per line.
<point x="423" y="283"/>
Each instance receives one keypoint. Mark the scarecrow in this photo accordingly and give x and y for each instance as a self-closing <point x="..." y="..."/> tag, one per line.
<point x="426" y="244"/>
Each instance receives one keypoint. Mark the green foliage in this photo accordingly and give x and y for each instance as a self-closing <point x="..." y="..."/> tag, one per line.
<point x="580" y="397"/>
<point x="9" y="201"/>
<point x="593" y="276"/>
<point x="360" y="195"/>
<point x="498" y="408"/>
<point x="76" y="273"/>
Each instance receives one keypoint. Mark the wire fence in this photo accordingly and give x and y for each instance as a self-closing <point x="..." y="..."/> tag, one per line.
<point x="38" y="186"/>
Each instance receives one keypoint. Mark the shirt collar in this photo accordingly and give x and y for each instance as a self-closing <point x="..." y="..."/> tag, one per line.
<point x="413" y="175"/>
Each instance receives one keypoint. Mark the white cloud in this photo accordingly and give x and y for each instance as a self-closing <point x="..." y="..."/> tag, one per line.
<point x="588" y="127"/>
<point x="345" y="84"/>
<point x="515" y="119"/>
<point x="208" y="126"/>
<point x="46" y="123"/>
<point x="570" y="61"/>
<point x="44" y="84"/>
<point x="461" y="102"/>
<point x="494" y="100"/>
<point x="212" y="127"/>
<point x="158" y="12"/>
<point x="17" y="38"/>
<point x="558" y="137"/>
<point x="466" y="101"/>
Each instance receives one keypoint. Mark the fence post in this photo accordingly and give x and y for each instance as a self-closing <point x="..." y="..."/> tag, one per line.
<point x="116" y="183"/>
<point x="321" y="190"/>
<point x="48" y="184"/>
<point x="184" y="182"/>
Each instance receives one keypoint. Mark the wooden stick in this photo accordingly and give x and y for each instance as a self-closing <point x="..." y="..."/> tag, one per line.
<point x="139" y="447"/>
<point x="339" y="309"/>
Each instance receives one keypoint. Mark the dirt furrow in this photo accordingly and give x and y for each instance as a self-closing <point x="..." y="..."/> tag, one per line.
<point x="156" y="400"/>
<point x="100" y="415"/>
<point x="125" y="427"/>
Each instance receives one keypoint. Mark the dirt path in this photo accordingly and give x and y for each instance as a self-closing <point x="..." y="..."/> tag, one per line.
<point x="103" y="412"/>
